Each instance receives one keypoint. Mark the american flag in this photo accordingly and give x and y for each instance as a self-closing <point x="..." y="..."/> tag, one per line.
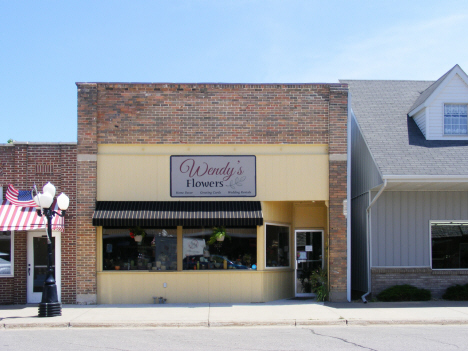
<point x="21" y="198"/>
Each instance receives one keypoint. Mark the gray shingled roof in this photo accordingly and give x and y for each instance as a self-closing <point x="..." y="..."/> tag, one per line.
<point x="394" y="139"/>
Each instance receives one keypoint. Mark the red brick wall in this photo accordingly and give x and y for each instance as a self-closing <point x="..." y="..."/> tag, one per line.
<point x="211" y="114"/>
<point x="338" y="192"/>
<point x="86" y="187"/>
<point x="20" y="262"/>
<point x="23" y="164"/>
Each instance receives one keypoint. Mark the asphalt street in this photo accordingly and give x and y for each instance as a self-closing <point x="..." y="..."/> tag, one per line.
<point x="330" y="338"/>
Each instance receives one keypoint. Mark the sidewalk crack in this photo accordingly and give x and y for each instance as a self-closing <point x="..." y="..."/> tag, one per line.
<point x="209" y="311"/>
<point x="344" y="340"/>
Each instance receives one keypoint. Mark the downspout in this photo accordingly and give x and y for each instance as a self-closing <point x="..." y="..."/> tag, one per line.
<point x="374" y="200"/>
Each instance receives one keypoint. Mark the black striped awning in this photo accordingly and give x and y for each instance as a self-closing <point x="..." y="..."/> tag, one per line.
<point x="177" y="213"/>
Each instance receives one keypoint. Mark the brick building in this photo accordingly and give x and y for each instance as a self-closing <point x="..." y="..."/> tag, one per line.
<point x="267" y="162"/>
<point x="23" y="165"/>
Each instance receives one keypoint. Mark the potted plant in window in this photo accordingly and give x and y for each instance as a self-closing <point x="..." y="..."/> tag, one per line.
<point x="137" y="234"/>
<point x="219" y="233"/>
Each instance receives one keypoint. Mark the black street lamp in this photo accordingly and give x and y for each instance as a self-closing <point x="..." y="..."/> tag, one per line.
<point x="50" y="305"/>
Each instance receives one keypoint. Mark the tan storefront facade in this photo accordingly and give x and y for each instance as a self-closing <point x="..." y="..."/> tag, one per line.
<point x="299" y="201"/>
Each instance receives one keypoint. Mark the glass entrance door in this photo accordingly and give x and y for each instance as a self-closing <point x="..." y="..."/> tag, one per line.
<point x="309" y="256"/>
<point x="37" y="264"/>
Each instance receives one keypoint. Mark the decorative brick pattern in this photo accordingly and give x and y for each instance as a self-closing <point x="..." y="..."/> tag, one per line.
<point x="437" y="281"/>
<point x="26" y="164"/>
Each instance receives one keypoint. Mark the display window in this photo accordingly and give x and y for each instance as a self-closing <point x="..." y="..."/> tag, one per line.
<point x="449" y="245"/>
<point x="147" y="249"/>
<point x="219" y="248"/>
<point x="277" y="246"/>
<point x="6" y="254"/>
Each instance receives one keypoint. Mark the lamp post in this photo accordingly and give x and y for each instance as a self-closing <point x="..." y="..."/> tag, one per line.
<point x="50" y="305"/>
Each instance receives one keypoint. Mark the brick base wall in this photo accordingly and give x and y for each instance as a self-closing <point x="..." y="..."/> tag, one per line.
<point x="437" y="281"/>
<point x="6" y="290"/>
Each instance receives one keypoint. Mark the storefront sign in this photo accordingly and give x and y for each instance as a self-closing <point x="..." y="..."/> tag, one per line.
<point x="213" y="176"/>
<point x="193" y="247"/>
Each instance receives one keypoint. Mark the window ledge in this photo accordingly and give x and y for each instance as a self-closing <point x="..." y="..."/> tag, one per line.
<point x="450" y="271"/>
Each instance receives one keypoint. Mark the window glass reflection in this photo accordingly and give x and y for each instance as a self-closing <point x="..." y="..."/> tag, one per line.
<point x="449" y="245"/>
<point x="5" y="253"/>
<point x="125" y="249"/>
<point x="201" y="251"/>
<point x="277" y="246"/>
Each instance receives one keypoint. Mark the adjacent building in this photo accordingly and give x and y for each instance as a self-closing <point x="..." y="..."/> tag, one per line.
<point x="409" y="183"/>
<point x="23" y="243"/>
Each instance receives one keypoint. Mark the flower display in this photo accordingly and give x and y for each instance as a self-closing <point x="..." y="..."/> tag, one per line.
<point x="137" y="231"/>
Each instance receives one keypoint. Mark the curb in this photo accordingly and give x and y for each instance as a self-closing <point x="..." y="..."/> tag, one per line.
<point x="35" y="325"/>
<point x="174" y="324"/>
<point x="407" y="322"/>
<point x="219" y="324"/>
<point x="281" y="323"/>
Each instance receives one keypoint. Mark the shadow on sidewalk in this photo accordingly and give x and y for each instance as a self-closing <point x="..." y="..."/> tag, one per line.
<point x="283" y="302"/>
<point x="18" y="307"/>
<point x="406" y="304"/>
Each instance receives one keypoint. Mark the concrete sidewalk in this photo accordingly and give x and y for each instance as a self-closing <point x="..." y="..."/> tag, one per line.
<point x="276" y="313"/>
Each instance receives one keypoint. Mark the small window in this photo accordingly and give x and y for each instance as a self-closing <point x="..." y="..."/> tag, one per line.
<point x="455" y="119"/>
<point x="277" y="246"/>
<point x="6" y="254"/>
<point x="155" y="250"/>
<point x="449" y="245"/>
<point x="202" y="251"/>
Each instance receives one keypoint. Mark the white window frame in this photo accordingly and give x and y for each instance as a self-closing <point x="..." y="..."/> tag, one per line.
<point x="431" y="222"/>
<point x="12" y="255"/>
<point x="454" y="134"/>
<point x="265" y="245"/>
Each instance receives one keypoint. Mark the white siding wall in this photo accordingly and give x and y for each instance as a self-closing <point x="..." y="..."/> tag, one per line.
<point x="420" y="119"/>
<point x="456" y="91"/>
<point x="400" y="224"/>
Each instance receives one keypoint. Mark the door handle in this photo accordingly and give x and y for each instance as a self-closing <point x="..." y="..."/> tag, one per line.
<point x="29" y="271"/>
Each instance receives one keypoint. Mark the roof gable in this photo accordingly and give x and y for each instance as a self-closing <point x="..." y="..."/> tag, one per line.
<point x="432" y="91"/>
<point x="397" y="145"/>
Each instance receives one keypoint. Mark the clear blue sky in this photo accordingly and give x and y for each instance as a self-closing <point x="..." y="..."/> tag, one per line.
<point x="47" y="46"/>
